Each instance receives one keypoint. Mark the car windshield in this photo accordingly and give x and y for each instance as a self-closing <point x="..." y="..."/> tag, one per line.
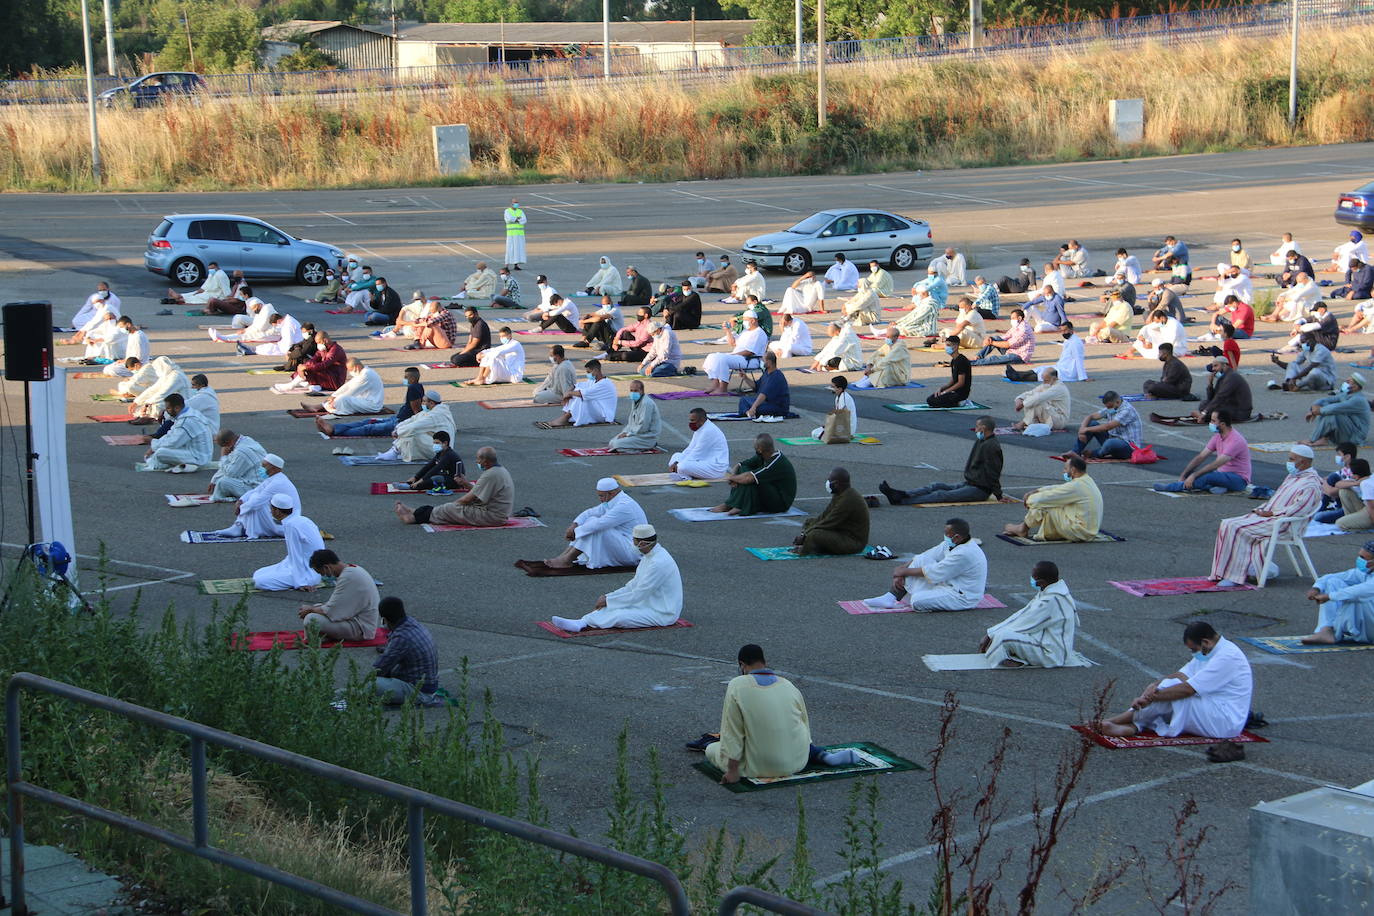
<point x="812" y="224"/>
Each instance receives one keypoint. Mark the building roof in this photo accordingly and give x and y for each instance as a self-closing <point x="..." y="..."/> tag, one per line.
<point x="708" y="31"/>
<point x="285" y="31"/>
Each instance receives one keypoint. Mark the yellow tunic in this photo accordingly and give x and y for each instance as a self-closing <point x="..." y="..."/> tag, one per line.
<point x="764" y="726"/>
<point x="891" y="365"/>
<point x="1070" y="511"/>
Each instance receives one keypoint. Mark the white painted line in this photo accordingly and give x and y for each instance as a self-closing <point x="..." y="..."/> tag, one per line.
<point x="470" y="248"/>
<point x="557" y="213"/>
<point x="697" y="196"/>
<point x="692" y="238"/>
<point x="1330" y="718"/>
<point x="561" y="203"/>
<point x="518" y="658"/>
<point x="120" y="588"/>
<point x="87" y="556"/>
<point x="1118" y="184"/>
<point x="370" y="252"/>
<point x="339" y="218"/>
<point x="1122" y="656"/>
<point x="1218" y="175"/>
<point x="979" y="200"/>
<point x="569" y="213"/>
<point x="769" y="206"/>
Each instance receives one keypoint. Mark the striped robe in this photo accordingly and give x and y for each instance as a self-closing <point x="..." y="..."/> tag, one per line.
<point x="1241" y="540"/>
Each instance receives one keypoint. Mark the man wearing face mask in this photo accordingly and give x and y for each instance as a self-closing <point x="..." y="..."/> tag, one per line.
<point x="1341" y="417"/>
<point x="982" y="475"/>
<point x="701" y="271"/>
<point x="842" y="527"/>
<point x="1046" y="311"/>
<point x="1041" y="634"/>
<point x="487" y="505"/>
<point x="503" y="363"/>
<point x="479" y="285"/>
<point x="187" y="444"/>
<point x="1345" y="603"/>
<point x="1313" y="370"/>
<point x="1116" y="427"/>
<point x="1223" y="465"/>
<point x="515" y="220"/>
<point x="1047" y="403"/>
<point x="479" y="336"/>
<point x="951" y="576"/>
<point x="216" y="286"/>
<point x="707" y="455"/>
<point x="722" y="279"/>
<point x="637" y="292"/>
<point x="772" y="397"/>
<point x="327" y="369"/>
<point x="332" y="291"/>
<point x="413" y="437"/>
<point x="240" y="466"/>
<point x="385" y="304"/>
<point x="891" y="366"/>
<point x="764" y="482"/>
<point x="605" y="281"/>
<point x="1070" y="363"/>
<point x="1241" y="540"/>
<point x="1209" y="696"/>
<point x="592" y="400"/>
<point x="653" y="598"/>
<point x="600" y="327"/>
<point x="102" y="297"/>
<point x="1227" y="390"/>
<point x="960" y="385"/>
<point x="443" y="472"/>
<point x="665" y="353"/>
<point x="358" y="293"/>
<point x="685" y="314"/>
<point x="362" y="392"/>
<point x="561" y="379"/>
<point x="252" y="512"/>
<point x="642" y="426"/>
<point x="1068" y="511"/>
<point x="600" y="536"/>
<point x="1018" y="346"/>
<point x="1161" y="328"/>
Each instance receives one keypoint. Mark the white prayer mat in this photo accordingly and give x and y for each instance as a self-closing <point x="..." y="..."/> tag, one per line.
<point x="704" y="514"/>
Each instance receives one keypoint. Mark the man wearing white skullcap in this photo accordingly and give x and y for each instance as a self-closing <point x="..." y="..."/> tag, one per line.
<point x="302" y="540"/>
<point x="653" y="598"/>
<point x="413" y="438"/>
<point x="255" y="519"/>
<point x="1241" y="541"/>
<point x="600" y="536"/>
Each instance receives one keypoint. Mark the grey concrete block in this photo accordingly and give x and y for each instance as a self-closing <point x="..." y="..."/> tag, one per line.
<point x="1312" y="853"/>
<point x="1128" y="120"/>
<point x="452" y="150"/>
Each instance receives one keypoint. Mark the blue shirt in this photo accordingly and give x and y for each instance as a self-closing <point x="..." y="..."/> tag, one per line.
<point x="414" y="392"/>
<point x="1053" y="311"/>
<point x="777" y="397"/>
<point x="410" y="656"/>
<point x="1131" y="428"/>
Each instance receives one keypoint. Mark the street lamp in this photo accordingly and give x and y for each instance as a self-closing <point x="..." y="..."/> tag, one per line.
<point x="1293" y="74"/>
<point x="90" y="90"/>
<point x="606" y="39"/>
<point x="820" y="63"/>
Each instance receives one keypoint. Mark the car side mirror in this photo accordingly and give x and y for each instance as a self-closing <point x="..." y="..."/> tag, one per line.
<point x="283" y="242"/>
<point x="826" y="234"/>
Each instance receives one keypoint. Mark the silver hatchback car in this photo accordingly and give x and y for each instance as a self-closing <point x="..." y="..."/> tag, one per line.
<point x="183" y="244"/>
<point x="859" y="235"/>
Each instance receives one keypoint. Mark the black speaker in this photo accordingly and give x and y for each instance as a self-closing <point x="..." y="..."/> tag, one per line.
<point x="28" y="341"/>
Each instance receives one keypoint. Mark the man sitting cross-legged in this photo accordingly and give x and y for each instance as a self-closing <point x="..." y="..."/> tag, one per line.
<point x="1068" y="511"/>
<point x="1046" y="403"/>
<point x="351" y="611"/>
<point x="842" y="527"/>
<point x="592" y="400"/>
<point x="253" y="516"/>
<point x="412" y="403"/>
<point x="763" y="482"/>
<point x="1041" y="633"/>
<point x="643" y="424"/>
<point x="444" y="472"/>
<point x="1116" y="427"/>
<point x="653" y="598"/>
<point x="487" y="505"/>
<point x="409" y="666"/>
<point x="982" y="474"/>
<point x="951" y="576"/>
<point x="240" y="466"/>
<point x="302" y="541"/>
<point x="1209" y="696"/>
<point x="707" y="455"/>
<point x="600" y="536"/>
<point x="1345" y="603"/>
<point x="1223" y="465"/>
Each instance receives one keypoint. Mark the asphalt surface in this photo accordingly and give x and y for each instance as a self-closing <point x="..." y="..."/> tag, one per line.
<point x="862" y="676"/>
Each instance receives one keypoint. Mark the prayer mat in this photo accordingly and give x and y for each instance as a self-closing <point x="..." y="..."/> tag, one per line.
<point x="1104" y="460"/>
<point x="612" y="631"/>
<point x="469" y="384"/>
<point x="548" y="424"/>
<point x="689" y="393"/>
<point x="395" y="489"/>
<point x="891" y="387"/>
<point x="728" y="417"/>
<point x="1013" y="431"/>
<point x="512" y="403"/>
<point x="210" y="537"/>
<point x="1316" y="529"/>
<point x="1279" y="448"/>
<point x="186" y="500"/>
<point x="875" y="759"/>
<point x="288" y="640"/>
<point x="357" y="461"/>
<point x="542" y="331"/>
<point x="106" y="397"/>
<point x="266" y="371"/>
<point x="606" y="452"/>
<point x="143" y="468"/>
<point x="990" y="501"/>
<point x="987" y="602"/>
<point x="87" y="375"/>
<point x="909" y="408"/>
<point x="1293" y="645"/>
<point x="344" y="311"/>
<point x="704" y="514"/>
<point x="812" y="440"/>
<point x="226" y="586"/>
<point x="301" y="414"/>
<point x="1103" y="537"/>
<point x="1140" y="397"/>
<point x="520" y="522"/>
<point x="656" y="480"/>
<point x="130" y="439"/>
<point x="537" y="569"/>
<point x="979" y="662"/>
<point x="789" y="553"/>
<point x="440" y="366"/>
<point x="1150" y="739"/>
<point x="1156" y="588"/>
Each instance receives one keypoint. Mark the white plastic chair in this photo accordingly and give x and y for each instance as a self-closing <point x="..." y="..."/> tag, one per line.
<point x="1287" y="531"/>
<point x="748" y="375"/>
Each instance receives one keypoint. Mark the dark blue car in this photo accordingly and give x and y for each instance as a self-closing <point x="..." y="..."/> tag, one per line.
<point x="154" y="89"/>
<point x="1356" y="208"/>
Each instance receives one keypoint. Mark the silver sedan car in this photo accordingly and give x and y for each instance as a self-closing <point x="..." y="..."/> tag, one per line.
<point x="184" y="244"/>
<point x="860" y="235"/>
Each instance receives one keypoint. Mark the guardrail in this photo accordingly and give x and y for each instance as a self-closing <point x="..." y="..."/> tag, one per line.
<point x="545" y="74"/>
<point x="417" y="802"/>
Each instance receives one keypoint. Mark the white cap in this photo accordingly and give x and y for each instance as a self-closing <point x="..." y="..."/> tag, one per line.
<point x="434" y="395"/>
<point x="281" y="501"/>
<point x="1157" y="281"/>
<point x="274" y="460"/>
<point x="1303" y="451"/>
<point x="643" y="531"/>
<point x="606" y="485"/>
<point x="1358" y="379"/>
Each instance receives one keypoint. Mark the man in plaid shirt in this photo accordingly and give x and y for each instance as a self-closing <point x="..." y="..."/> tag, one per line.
<point x="410" y="665"/>
<point x="509" y="294"/>
<point x="436" y="328"/>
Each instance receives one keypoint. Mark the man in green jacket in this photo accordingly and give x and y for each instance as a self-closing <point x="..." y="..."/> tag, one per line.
<point x="842" y="527"/>
<point x="764" y="482"/>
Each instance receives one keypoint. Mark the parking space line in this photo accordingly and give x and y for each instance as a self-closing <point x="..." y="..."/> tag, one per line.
<point x="370" y="252"/>
<point x="692" y="238"/>
<point x="769" y="206"/>
<point x="950" y="196"/>
<point x="557" y="213"/>
<point x="561" y="203"/>
<point x="1122" y="656"/>
<point x="696" y="196"/>
<point x="339" y="218"/>
<point x="176" y="578"/>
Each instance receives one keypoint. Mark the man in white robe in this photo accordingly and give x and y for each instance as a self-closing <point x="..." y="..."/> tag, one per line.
<point x="1345" y="603"/>
<point x="878" y="280"/>
<point x="795" y="339"/>
<point x="1070" y="365"/>
<point x="653" y="598"/>
<point x="1209" y="696"/>
<point x="101" y="296"/>
<point x="255" y="324"/>
<point x="205" y="401"/>
<point x="515" y="220"/>
<point x="132" y="342"/>
<point x="170" y="380"/>
<point x="1355" y="248"/>
<point x="502" y="363"/>
<point x="562" y="378"/>
<point x="843" y="349"/>
<point x="951" y="265"/>
<point x="842" y="276"/>
<point x="240" y="466"/>
<point x="600" y="536"/>
<point x="606" y="281"/>
<point x="288" y="332"/>
<point x="138" y="382"/>
<point x="413" y="438"/>
<point x="216" y="286"/>
<point x="745" y="350"/>
<point x="187" y="445"/>
<point x="1161" y="328"/>
<point x="100" y="335"/>
<point x="480" y="284"/>
<point x="862" y="307"/>
<point x="1295" y="302"/>
<point x="806" y="294"/>
<point x="951" y="576"/>
<point x="302" y="540"/>
<point x="642" y="426"/>
<point x="363" y="391"/>
<point x="592" y="400"/>
<point x="1048" y="403"/>
<point x="253" y="514"/>
<point x="750" y="284"/>
<point x="1041" y="633"/>
<point x="707" y="455"/>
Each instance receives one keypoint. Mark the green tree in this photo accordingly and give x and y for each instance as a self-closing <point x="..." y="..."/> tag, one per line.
<point x="483" y="11"/>
<point x="308" y="56"/>
<point x="38" y="33"/>
<point x="225" y="37"/>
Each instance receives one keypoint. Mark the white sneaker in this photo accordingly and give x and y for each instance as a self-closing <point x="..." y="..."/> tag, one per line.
<point x="389" y="455"/>
<point x="886" y="601"/>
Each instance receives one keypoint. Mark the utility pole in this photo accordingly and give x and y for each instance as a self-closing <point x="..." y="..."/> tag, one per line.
<point x="606" y="39"/>
<point x="90" y="90"/>
<point x="1293" y="74"/>
<point x="503" y="40"/>
<point x="975" y="24"/>
<point x="190" y="48"/>
<point x="797" y="31"/>
<point x="109" y="41"/>
<point x="820" y="63"/>
<point x="695" y="64"/>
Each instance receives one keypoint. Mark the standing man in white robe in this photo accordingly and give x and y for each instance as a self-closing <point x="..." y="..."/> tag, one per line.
<point x="240" y="466"/>
<point x="187" y="445"/>
<point x="302" y="540"/>
<point x="1070" y="365"/>
<point x="642" y="426"/>
<point x="254" y="518"/>
<point x="362" y="392"/>
<point x="514" y="219"/>
<point x="593" y="400"/>
<point x="842" y="276"/>
<point x="101" y="296"/>
<point x="749" y="346"/>
<point x="805" y="294"/>
<point x="204" y="400"/>
<point x="951" y="576"/>
<point x="707" y="455"/>
<point x="795" y="339"/>
<point x="1345" y="603"/>
<point x="1041" y="633"/>
<point x="600" y="536"/>
<point x="1209" y="696"/>
<point x="562" y="378"/>
<point x="504" y="362"/>
<point x="653" y="598"/>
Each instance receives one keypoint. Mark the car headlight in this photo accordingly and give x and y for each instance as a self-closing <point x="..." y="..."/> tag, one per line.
<point x="765" y="249"/>
<point x="335" y="253"/>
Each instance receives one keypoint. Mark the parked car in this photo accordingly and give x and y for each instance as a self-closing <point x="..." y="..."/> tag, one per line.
<point x="860" y="235"/>
<point x="154" y="89"/>
<point x="183" y="244"/>
<point x="1356" y="208"/>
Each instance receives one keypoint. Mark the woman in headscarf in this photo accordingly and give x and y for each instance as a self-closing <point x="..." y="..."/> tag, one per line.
<point x="606" y="281"/>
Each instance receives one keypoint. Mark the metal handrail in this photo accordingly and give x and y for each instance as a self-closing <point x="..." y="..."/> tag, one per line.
<point x="731" y="902"/>
<point x="416" y="801"/>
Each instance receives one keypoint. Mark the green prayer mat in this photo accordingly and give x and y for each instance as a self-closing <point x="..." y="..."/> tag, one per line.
<point x="458" y="384"/>
<point x="105" y="397"/>
<point x="226" y="586"/>
<point x="877" y="759"/>
<point x="266" y="371"/>
<point x="908" y="408"/>
<point x="786" y="553"/>
<point x="812" y="440"/>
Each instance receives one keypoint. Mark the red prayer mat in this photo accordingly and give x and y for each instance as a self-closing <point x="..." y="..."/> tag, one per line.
<point x="1154" y="588"/>
<point x="604" y="452"/>
<point x="87" y="375"/>
<point x="110" y="417"/>
<point x="263" y="640"/>
<point x="1103" y="460"/>
<point x="613" y="631"/>
<point x="440" y="366"/>
<point x="130" y="439"/>
<point x="1150" y="739"/>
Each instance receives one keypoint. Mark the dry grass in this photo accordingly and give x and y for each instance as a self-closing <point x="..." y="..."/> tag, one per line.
<point x="1228" y="95"/>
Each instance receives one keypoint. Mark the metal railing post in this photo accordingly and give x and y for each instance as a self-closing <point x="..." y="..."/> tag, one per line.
<point x="15" y="804"/>
<point x="200" y="804"/>
<point x="730" y="903"/>
<point x="415" y="822"/>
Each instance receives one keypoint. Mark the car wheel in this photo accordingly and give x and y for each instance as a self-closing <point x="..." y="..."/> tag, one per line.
<point x="311" y="272"/>
<point x="903" y="258"/>
<point x="797" y="261"/>
<point x="187" y="272"/>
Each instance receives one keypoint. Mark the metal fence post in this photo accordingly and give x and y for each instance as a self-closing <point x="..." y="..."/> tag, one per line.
<point x="415" y="821"/>
<point x="200" y="804"/>
<point x="15" y="804"/>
